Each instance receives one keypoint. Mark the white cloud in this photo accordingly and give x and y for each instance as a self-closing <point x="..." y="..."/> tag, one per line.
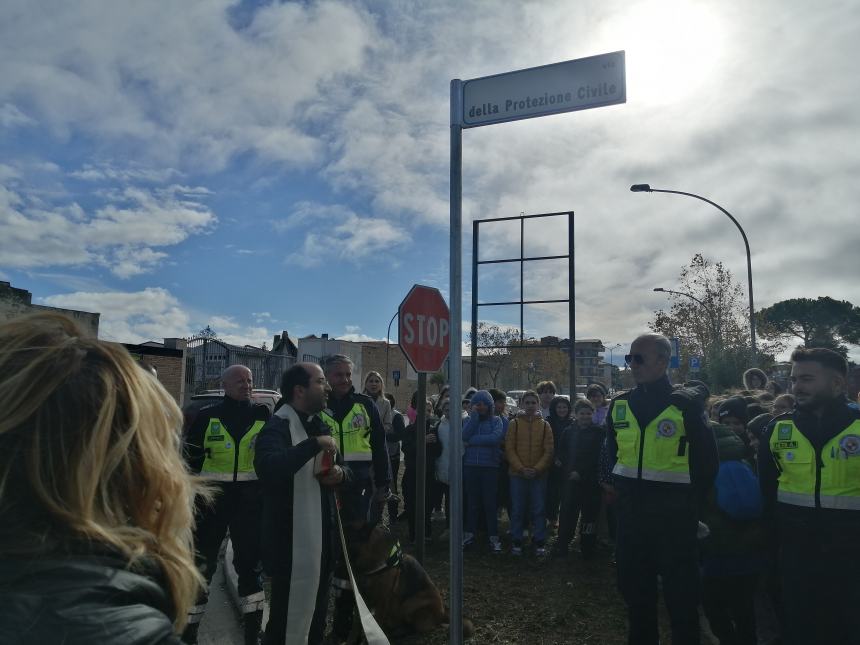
<point x="345" y="235"/>
<point x="359" y="338"/>
<point x="12" y="117"/>
<point x="154" y="314"/>
<point x="122" y="235"/>
<point x="104" y="172"/>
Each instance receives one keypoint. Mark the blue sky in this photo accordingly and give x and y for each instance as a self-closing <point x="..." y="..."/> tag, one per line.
<point x="268" y="166"/>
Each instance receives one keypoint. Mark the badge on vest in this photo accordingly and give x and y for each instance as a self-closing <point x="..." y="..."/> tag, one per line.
<point x="666" y="428"/>
<point x="216" y="427"/>
<point x="783" y="431"/>
<point x="849" y="445"/>
<point x="620" y="425"/>
<point x="620" y="412"/>
<point x="358" y="421"/>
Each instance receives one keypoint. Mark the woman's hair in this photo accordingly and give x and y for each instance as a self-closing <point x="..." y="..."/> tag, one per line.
<point x="381" y="383"/>
<point x="90" y="454"/>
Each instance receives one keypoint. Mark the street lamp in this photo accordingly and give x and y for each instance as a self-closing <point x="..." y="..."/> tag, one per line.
<point x="645" y="188"/>
<point x="615" y="346"/>
<point x="707" y="309"/>
<point x="387" y="343"/>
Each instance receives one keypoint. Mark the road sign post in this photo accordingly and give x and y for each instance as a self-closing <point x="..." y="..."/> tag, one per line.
<point x="580" y="84"/>
<point x="424" y="337"/>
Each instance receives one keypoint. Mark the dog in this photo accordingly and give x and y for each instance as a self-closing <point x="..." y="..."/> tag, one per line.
<point x="394" y="585"/>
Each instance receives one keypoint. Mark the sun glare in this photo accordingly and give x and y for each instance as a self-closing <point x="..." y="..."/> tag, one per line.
<point x="672" y="48"/>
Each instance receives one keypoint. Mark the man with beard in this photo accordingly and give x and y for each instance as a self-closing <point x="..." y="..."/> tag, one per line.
<point x="299" y="530"/>
<point x="809" y="468"/>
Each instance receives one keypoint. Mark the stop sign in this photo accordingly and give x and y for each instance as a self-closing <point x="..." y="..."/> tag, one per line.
<point x="423" y="328"/>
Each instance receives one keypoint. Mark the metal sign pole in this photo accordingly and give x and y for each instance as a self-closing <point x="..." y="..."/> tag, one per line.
<point x="455" y="357"/>
<point x="420" y="466"/>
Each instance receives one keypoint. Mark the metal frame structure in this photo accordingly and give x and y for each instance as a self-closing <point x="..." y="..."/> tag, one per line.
<point x="522" y="301"/>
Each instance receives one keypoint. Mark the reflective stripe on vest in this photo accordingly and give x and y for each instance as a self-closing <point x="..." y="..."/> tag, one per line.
<point x="835" y="473"/>
<point x="659" y="453"/>
<point x="225" y="461"/>
<point x="352" y="434"/>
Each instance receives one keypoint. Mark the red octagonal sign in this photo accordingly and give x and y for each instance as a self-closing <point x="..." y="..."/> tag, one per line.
<point x="423" y="328"/>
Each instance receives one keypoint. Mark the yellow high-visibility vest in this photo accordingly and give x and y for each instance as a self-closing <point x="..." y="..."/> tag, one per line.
<point x="225" y="461"/>
<point x="835" y="472"/>
<point x="660" y="453"/>
<point x="352" y="433"/>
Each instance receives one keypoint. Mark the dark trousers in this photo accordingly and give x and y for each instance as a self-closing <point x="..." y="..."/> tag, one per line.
<point x="238" y="506"/>
<point x="480" y="484"/>
<point x="655" y="542"/>
<point x="409" y="500"/>
<point x="729" y="603"/>
<point x="276" y="628"/>
<point x="579" y="498"/>
<point x="442" y="499"/>
<point x="555" y="490"/>
<point x="820" y="576"/>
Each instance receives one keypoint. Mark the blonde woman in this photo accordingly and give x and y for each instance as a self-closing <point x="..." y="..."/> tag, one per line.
<point x="374" y="387"/>
<point x="95" y="500"/>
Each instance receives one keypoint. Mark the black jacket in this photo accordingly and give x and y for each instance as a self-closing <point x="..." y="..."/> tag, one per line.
<point x="410" y="439"/>
<point x="797" y="522"/>
<point x="237" y="417"/>
<point x="339" y="408"/>
<point x="82" y="600"/>
<point x="579" y="450"/>
<point x="277" y="461"/>
<point x="646" y="402"/>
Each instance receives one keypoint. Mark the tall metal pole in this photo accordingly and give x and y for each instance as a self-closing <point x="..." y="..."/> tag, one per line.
<point x="571" y="308"/>
<point x="455" y="467"/>
<point x="420" y="466"/>
<point x="387" y="343"/>
<point x="474" y="344"/>
<point x="645" y="188"/>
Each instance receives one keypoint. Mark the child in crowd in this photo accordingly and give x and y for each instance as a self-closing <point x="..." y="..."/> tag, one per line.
<point x="733" y="413"/>
<point x="546" y="391"/>
<point x="579" y="452"/>
<point x="443" y="461"/>
<point x="782" y="404"/>
<point x="597" y="394"/>
<point x="411" y="437"/>
<point x="559" y="419"/>
<point x="503" y="494"/>
<point x="483" y="433"/>
<point x="529" y="447"/>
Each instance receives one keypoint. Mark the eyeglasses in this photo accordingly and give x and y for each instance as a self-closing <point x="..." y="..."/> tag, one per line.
<point x="634" y="358"/>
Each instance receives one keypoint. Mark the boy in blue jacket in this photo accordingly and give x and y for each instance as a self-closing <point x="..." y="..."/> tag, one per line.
<point x="482" y="435"/>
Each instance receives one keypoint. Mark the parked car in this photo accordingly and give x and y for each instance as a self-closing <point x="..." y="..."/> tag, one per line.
<point x="516" y="395"/>
<point x="512" y="408"/>
<point x="269" y="398"/>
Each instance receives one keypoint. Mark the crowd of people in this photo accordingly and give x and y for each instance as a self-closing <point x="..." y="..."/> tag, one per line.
<point x="744" y="507"/>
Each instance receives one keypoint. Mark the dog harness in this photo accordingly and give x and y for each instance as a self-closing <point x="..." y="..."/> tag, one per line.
<point x="394" y="560"/>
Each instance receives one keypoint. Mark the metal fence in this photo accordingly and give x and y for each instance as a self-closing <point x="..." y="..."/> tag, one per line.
<point x="206" y="358"/>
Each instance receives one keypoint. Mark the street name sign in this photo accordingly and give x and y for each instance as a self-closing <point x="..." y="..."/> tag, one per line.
<point x="578" y="84"/>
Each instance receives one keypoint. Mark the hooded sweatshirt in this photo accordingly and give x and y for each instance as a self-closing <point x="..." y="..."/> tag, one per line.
<point x="482" y="435"/>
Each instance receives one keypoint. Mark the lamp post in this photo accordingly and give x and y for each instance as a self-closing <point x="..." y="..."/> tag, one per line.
<point x="645" y="188"/>
<point x="614" y="347"/>
<point x="387" y="343"/>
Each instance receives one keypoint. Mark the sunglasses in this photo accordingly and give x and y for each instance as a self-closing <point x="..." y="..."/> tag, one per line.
<point x="634" y="358"/>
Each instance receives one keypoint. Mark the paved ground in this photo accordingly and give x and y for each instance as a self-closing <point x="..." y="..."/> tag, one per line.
<point x="221" y="622"/>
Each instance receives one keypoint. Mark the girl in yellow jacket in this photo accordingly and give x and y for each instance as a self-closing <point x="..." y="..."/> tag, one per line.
<point x="529" y="448"/>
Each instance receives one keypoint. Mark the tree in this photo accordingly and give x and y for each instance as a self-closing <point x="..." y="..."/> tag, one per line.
<point x="824" y="322"/>
<point x="437" y="379"/>
<point x="715" y="329"/>
<point x="493" y="345"/>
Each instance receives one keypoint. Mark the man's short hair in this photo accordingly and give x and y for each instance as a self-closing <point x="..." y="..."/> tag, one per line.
<point x="543" y="386"/>
<point x="825" y="357"/>
<point x="328" y="362"/>
<point x="296" y="375"/>
<point x="498" y="395"/>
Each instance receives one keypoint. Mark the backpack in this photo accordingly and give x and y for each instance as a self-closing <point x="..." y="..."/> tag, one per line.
<point x="738" y="491"/>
